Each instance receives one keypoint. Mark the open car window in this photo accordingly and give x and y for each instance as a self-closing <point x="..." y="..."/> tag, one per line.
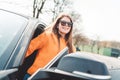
<point x="53" y="63"/>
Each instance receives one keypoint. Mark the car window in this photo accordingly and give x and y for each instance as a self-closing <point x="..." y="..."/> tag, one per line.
<point x="11" y="27"/>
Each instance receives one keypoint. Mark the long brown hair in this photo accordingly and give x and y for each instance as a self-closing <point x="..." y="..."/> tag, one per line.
<point x="68" y="36"/>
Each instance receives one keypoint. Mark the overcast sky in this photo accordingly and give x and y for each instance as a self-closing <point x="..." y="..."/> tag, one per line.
<point x="100" y="18"/>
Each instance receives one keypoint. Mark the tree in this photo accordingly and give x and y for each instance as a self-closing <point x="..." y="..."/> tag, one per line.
<point x="92" y="42"/>
<point x="79" y="39"/>
<point x="60" y="6"/>
<point x="37" y="7"/>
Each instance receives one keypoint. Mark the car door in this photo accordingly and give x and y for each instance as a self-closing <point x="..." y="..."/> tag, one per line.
<point x="16" y="31"/>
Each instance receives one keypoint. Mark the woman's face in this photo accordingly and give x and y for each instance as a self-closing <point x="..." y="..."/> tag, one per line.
<point x="64" y="26"/>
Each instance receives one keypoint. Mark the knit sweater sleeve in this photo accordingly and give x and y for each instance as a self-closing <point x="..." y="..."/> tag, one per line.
<point x="36" y="43"/>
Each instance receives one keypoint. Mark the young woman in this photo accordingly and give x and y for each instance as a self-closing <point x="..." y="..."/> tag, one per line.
<point x="51" y="42"/>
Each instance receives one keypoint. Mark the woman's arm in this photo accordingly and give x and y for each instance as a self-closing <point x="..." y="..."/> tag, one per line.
<point x="36" y="43"/>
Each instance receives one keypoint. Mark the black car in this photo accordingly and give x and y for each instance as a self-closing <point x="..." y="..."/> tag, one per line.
<point x="17" y="30"/>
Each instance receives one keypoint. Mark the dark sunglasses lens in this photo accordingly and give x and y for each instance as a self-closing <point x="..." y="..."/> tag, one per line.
<point x="63" y="23"/>
<point x="70" y="24"/>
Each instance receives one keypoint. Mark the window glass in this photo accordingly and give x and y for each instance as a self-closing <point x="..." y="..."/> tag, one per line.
<point x="10" y="26"/>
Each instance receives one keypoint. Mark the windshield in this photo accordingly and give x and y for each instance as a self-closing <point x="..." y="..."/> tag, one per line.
<point x="10" y="25"/>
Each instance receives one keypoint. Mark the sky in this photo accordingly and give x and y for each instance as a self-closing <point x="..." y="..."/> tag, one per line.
<point x="19" y="6"/>
<point x="100" y="18"/>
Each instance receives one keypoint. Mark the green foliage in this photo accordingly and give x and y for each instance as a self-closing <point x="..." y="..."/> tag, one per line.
<point x="107" y="51"/>
<point x="87" y="48"/>
<point x="102" y="51"/>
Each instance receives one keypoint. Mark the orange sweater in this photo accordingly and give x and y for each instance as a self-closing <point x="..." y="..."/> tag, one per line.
<point x="48" y="46"/>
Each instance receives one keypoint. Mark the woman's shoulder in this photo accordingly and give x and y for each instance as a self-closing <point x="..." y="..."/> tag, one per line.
<point x="48" y="32"/>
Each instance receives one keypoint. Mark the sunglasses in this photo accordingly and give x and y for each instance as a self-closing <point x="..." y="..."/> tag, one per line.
<point x="64" y="23"/>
